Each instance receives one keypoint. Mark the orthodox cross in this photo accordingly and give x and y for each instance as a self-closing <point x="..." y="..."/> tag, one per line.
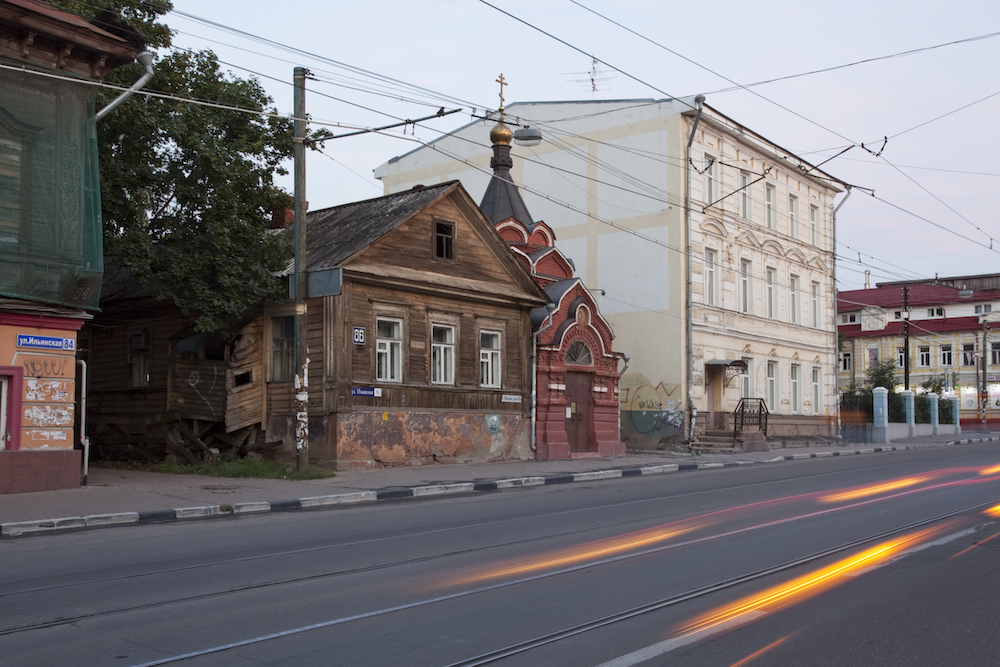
<point x="502" y="83"/>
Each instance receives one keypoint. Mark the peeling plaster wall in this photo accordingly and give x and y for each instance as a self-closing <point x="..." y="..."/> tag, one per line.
<point x="377" y="439"/>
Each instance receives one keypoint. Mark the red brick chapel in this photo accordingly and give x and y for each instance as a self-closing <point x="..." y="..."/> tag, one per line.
<point x="576" y="376"/>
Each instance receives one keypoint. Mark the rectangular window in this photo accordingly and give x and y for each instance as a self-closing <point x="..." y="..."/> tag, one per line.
<point x="793" y="216"/>
<point x="925" y="355"/>
<point x="935" y="312"/>
<point x="814" y="304"/>
<point x="746" y="286"/>
<point x="770" y="304"/>
<point x="711" y="181"/>
<point x="770" y="214"/>
<point x="139" y="357"/>
<point x="746" y="385"/>
<point x="848" y="319"/>
<point x="984" y="308"/>
<point x="969" y="354"/>
<point x="282" y="349"/>
<point x="746" y="196"/>
<point x="845" y="361"/>
<point x="901" y="357"/>
<point x="872" y="357"/>
<point x="946" y="355"/>
<point x="794" y="313"/>
<point x="388" y="350"/>
<point x="814" y="225"/>
<point x="772" y="386"/>
<point x="995" y="353"/>
<point x="711" y="279"/>
<point x="442" y="354"/>
<point x="817" y="405"/>
<point x="444" y="240"/>
<point x="796" y="401"/>
<point x="489" y="358"/>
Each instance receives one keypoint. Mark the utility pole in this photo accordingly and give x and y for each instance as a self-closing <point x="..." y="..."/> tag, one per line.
<point x="301" y="351"/>
<point x="983" y="397"/>
<point x="906" y="337"/>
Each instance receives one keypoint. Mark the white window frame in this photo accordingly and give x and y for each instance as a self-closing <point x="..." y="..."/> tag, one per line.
<point x="770" y="305"/>
<point x="442" y="354"/>
<point x="490" y="366"/>
<point x="793" y="216"/>
<point x="746" y="196"/>
<point x="711" y="278"/>
<point x="772" y="386"/>
<point x="995" y="353"/>
<point x="770" y="212"/>
<point x="390" y="349"/>
<point x="814" y="303"/>
<point x="794" y="388"/>
<point x="814" y="224"/>
<point x="817" y="393"/>
<point x="711" y="181"/>
<point x="746" y="379"/>
<point x="984" y="308"/>
<point x="746" y="286"/>
<point x="901" y="357"/>
<point x="846" y="361"/>
<point x="924" y="355"/>
<point x="968" y="354"/>
<point x="947" y="355"/>
<point x="794" y="302"/>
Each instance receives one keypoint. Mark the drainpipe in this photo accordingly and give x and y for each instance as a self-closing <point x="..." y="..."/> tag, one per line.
<point x="626" y="358"/>
<point x="836" y="361"/>
<point x="146" y="60"/>
<point x="699" y="101"/>
<point x="84" y="440"/>
<point x="551" y="307"/>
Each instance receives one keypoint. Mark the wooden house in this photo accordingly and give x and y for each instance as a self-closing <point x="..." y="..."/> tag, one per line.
<point x="423" y="356"/>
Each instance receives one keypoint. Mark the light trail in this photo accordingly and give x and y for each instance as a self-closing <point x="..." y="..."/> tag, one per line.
<point x="809" y="585"/>
<point x="756" y="654"/>
<point x="874" y="489"/>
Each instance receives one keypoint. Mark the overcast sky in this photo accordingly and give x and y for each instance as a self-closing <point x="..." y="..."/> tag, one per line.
<point x="946" y="172"/>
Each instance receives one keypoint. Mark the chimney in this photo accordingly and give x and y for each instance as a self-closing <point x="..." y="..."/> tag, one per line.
<point x="284" y="217"/>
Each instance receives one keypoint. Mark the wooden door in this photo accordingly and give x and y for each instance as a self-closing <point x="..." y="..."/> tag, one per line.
<point x="578" y="394"/>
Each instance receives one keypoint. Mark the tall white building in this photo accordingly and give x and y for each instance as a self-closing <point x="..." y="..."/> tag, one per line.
<point x="744" y="274"/>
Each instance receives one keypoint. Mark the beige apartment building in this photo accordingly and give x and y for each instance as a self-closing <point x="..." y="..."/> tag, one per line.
<point x="709" y="248"/>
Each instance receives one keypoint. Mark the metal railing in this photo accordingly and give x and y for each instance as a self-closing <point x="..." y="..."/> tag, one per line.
<point x="750" y="412"/>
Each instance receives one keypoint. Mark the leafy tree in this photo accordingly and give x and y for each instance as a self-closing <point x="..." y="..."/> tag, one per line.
<point x="882" y="374"/>
<point x="934" y="384"/>
<point x="186" y="189"/>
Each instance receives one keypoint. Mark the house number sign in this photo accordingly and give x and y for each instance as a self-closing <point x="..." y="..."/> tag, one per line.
<point x="359" y="335"/>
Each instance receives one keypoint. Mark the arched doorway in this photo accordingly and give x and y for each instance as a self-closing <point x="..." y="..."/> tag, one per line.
<point x="579" y="396"/>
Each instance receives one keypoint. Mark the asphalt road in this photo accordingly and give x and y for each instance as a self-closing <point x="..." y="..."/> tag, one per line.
<point x="878" y="560"/>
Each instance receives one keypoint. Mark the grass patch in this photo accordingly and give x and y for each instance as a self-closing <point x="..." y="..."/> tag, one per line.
<point x="248" y="467"/>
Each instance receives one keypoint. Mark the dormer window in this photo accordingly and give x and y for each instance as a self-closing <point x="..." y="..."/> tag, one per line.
<point x="444" y="240"/>
<point x="984" y="308"/>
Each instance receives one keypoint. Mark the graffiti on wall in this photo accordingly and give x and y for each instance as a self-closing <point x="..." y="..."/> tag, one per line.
<point x="42" y="366"/>
<point x="47" y="391"/>
<point x="650" y="410"/>
<point x="47" y="416"/>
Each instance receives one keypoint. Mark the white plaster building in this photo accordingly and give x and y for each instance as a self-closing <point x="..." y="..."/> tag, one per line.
<point x="751" y="281"/>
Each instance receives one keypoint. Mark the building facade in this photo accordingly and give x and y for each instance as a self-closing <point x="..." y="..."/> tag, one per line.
<point x="710" y="249"/>
<point x="948" y="330"/>
<point x="50" y="232"/>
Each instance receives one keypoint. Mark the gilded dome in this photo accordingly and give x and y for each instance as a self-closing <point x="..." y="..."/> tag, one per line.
<point x="501" y="135"/>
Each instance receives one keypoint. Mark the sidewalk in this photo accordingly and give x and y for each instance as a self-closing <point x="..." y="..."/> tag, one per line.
<point x="121" y="497"/>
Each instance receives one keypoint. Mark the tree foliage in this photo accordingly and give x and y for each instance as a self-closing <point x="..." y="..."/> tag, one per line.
<point x="187" y="190"/>
<point x="882" y="374"/>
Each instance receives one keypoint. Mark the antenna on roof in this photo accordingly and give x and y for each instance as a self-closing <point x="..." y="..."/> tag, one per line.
<point x="593" y="77"/>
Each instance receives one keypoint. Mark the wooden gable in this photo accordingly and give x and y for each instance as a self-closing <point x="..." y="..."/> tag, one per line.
<point x="480" y="260"/>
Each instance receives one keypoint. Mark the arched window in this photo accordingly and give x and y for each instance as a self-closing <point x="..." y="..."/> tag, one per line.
<point x="579" y="355"/>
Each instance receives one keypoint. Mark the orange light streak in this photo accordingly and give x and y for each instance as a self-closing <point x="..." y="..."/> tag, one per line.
<point x="807" y="585"/>
<point x="872" y="490"/>
<point x="993" y="511"/>
<point x="992" y="470"/>
<point x="756" y="654"/>
<point x="979" y="543"/>
<point x="584" y="552"/>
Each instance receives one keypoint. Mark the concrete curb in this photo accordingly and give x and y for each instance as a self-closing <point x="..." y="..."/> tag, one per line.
<point x="20" y="528"/>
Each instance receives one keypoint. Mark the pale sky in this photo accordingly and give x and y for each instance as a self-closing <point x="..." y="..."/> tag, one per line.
<point x="947" y="171"/>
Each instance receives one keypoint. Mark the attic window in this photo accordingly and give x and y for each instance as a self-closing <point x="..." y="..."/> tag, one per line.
<point x="444" y="240"/>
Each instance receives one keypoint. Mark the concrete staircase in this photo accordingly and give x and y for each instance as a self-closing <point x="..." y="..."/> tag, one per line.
<point x="716" y="441"/>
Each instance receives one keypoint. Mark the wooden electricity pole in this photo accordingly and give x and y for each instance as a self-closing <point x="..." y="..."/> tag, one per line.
<point x="301" y="351"/>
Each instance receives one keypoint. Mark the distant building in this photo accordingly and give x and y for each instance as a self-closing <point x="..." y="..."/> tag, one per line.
<point x="952" y="338"/>
<point x="51" y="256"/>
<point x="734" y="300"/>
